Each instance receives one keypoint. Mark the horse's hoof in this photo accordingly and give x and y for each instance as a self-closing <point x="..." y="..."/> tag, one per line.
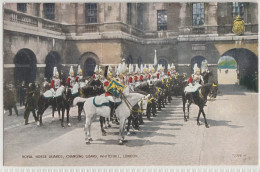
<point x="38" y="123"/>
<point x="120" y="142"/>
<point x="128" y="133"/>
<point x="87" y="142"/>
<point x="69" y="125"/>
<point x="62" y="126"/>
<point x="104" y="133"/>
<point x="198" y="123"/>
<point x="207" y="126"/>
<point x="90" y="139"/>
<point x="124" y="141"/>
<point x="109" y="126"/>
<point x="106" y="127"/>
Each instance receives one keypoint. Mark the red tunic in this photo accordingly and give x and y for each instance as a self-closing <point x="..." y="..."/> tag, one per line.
<point x="169" y="73"/>
<point x="141" y="78"/>
<point x="158" y="75"/>
<point x="130" y="80"/>
<point x="52" y="83"/>
<point x="94" y="76"/>
<point x="106" y="83"/>
<point x="107" y="94"/>
<point x="136" y="78"/>
<point x="149" y="76"/>
<point x="77" y="79"/>
<point x="68" y="82"/>
<point x="190" y="79"/>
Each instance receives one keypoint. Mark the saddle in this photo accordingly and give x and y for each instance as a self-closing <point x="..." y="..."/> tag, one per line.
<point x="101" y="100"/>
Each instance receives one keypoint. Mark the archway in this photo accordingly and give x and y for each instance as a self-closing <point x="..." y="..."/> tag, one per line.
<point x="198" y="60"/>
<point x="139" y="61"/>
<point x="89" y="67"/>
<point x="164" y="63"/>
<point x="88" y="60"/>
<point x="52" y="60"/>
<point x="25" y="66"/>
<point x="227" y="70"/>
<point x="247" y="66"/>
<point x="129" y="60"/>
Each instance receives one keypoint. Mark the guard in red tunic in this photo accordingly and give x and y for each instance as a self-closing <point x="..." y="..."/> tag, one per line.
<point x="55" y="82"/>
<point x="79" y="77"/>
<point x="71" y="79"/>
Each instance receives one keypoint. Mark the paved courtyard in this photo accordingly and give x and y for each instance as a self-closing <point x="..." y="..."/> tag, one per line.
<point x="232" y="138"/>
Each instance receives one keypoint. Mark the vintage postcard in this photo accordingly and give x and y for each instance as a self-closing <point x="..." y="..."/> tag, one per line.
<point x="130" y="83"/>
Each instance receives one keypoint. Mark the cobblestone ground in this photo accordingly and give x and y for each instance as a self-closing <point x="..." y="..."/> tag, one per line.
<point x="232" y="138"/>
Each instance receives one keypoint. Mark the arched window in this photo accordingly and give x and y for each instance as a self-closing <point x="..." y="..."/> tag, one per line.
<point x="198" y="60"/>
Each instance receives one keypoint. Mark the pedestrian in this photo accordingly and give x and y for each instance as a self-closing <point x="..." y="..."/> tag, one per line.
<point x="10" y="99"/>
<point x="31" y="103"/>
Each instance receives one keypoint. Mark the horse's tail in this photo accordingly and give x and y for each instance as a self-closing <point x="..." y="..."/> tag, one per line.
<point x="78" y="100"/>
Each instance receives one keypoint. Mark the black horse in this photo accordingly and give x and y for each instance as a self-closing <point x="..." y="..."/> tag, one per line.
<point x="199" y="98"/>
<point x="206" y="76"/>
<point x="56" y="103"/>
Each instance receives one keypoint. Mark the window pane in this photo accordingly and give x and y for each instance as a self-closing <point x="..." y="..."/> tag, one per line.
<point x="91" y="12"/>
<point x="161" y="20"/>
<point x="22" y="7"/>
<point x="49" y="11"/>
<point x="198" y="14"/>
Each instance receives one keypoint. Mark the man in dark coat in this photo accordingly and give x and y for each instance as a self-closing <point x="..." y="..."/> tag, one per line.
<point x="31" y="103"/>
<point x="10" y="99"/>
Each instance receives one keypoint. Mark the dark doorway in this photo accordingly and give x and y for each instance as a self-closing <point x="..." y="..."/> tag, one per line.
<point x="89" y="67"/>
<point x="129" y="60"/>
<point x="139" y="61"/>
<point x="198" y="60"/>
<point x="25" y="66"/>
<point x="52" y="60"/>
<point x="164" y="63"/>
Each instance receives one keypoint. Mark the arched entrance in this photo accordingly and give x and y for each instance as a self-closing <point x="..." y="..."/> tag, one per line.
<point x="247" y="66"/>
<point x="25" y="66"/>
<point x="129" y="60"/>
<point x="227" y="70"/>
<point x="198" y="60"/>
<point x="88" y="60"/>
<point x="164" y="63"/>
<point x="52" y="60"/>
<point x="139" y="61"/>
<point x="89" y="67"/>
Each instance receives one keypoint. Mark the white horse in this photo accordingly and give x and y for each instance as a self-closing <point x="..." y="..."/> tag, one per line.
<point x="122" y="112"/>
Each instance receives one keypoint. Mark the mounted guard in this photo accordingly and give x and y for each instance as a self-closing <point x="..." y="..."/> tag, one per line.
<point x="194" y="82"/>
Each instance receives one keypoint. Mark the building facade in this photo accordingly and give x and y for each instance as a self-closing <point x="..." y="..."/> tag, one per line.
<point x="39" y="36"/>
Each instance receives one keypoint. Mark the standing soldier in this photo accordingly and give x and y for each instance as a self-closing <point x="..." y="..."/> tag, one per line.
<point x="71" y="79"/>
<point x="22" y="93"/>
<point x="31" y="102"/>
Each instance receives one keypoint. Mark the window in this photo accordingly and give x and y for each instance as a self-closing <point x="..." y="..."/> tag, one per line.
<point x="161" y="20"/>
<point x="49" y="11"/>
<point x="238" y="9"/>
<point x="22" y="7"/>
<point x="198" y="14"/>
<point x="91" y="12"/>
<point x="129" y="9"/>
